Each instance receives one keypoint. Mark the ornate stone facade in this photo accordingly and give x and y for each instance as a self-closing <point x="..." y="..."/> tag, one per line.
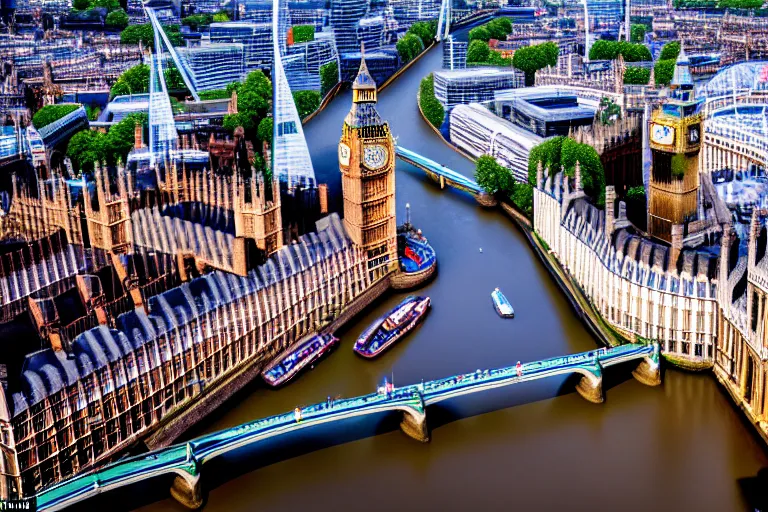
<point x="367" y="164"/>
<point x="641" y="288"/>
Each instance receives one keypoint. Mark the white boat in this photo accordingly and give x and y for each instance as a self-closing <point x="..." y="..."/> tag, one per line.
<point x="502" y="305"/>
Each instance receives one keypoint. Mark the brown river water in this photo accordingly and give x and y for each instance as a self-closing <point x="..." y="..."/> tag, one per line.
<point x="533" y="446"/>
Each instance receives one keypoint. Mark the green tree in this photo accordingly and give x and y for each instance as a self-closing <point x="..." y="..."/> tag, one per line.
<point x="663" y="70"/>
<point x="493" y="177"/>
<point x="265" y="129"/>
<point x="551" y="51"/>
<point x="93" y="112"/>
<point x="197" y="21"/>
<point x="670" y="51"/>
<point x="609" y="50"/>
<point x="51" y="113"/>
<point x="603" y="50"/>
<point x="81" y="5"/>
<point x="637" y="33"/>
<point x="85" y="148"/>
<point x="433" y="110"/>
<point x="495" y="59"/>
<point x="636" y="75"/>
<point x="480" y="33"/>
<point x="117" y="19"/>
<point x="303" y="33"/>
<point x="306" y="102"/>
<point x="173" y="79"/>
<point x="477" y="52"/>
<point x="329" y="76"/>
<point x="216" y="94"/>
<point x="592" y="173"/>
<point x="564" y="151"/>
<point x="425" y="31"/>
<point x="636" y="193"/>
<point x="120" y="138"/>
<point x="529" y="59"/>
<point x="232" y="121"/>
<point x="548" y="153"/>
<point x="134" y="80"/>
<point x="132" y="34"/>
<point x="408" y="47"/>
<point x="740" y="4"/>
<point x="522" y="197"/>
<point x="500" y="27"/>
<point x="109" y="5"/>
<point x="220" y="17"/>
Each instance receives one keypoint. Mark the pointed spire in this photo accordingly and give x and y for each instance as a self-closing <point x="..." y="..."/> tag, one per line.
<point x="364" y="85"/>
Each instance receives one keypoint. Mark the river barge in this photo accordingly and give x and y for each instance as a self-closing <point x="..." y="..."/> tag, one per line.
<point x="502" y="305"/>
<point x="388" y="329"/>
<point x="298" y="357"/>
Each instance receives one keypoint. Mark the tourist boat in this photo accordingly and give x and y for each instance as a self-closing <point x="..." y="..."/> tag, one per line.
<point x="297" y="357"/>
<point x="385" y="331"/>
<point x="502" y="305"/>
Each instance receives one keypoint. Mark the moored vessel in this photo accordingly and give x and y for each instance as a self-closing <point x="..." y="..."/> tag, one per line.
<point x="502" y="305"/>
<point x="297" y="357"/>
<point x="385" y="331"/>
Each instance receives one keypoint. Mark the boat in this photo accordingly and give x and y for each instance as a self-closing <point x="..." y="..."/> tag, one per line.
<point x="502" y="305"/>
<point x="297" y="357"/>
<point x="385" y="331"/>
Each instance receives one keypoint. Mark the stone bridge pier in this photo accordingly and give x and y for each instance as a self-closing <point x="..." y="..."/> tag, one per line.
<point x="186" y="488"/>
<point x="648" y="371"/>
<point x="414" y="423"/>
<point x="590" y="387"/>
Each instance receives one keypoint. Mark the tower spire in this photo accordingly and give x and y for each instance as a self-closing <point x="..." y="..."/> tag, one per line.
<point x="364" y="86"/>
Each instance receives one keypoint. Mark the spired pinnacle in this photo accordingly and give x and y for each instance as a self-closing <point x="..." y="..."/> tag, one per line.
<point x="364" y="80"/>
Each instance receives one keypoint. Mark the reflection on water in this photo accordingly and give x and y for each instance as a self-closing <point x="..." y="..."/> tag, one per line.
<point x="532" y="446"/>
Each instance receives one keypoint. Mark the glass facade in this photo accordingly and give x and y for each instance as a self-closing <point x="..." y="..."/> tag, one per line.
<point x="214" y="66"/>
<point x="256" y="39"/>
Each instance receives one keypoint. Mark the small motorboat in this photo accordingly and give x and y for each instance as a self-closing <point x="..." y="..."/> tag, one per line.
<point x="297" y="357"/>
<point x="502" y="305"/>
<point x="385" y="331"/>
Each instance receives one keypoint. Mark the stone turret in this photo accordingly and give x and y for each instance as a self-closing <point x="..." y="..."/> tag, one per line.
<point x="676" y="245"/>
<point x="610" y="200"/>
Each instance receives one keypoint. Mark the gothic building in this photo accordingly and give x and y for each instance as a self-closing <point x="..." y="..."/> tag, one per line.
<point x="675" y="138"/>
<point x="367" y="163"/>
<point x="128" y="309"/>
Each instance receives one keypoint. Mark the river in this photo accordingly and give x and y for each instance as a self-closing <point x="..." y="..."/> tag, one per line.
<point x="533" y="446"/>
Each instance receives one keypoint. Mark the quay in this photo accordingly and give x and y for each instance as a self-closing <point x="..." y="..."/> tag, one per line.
<point x="185" y="461"/>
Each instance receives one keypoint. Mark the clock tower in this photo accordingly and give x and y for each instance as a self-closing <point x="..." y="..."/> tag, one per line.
<point x="675" y="138"/>
<point x="367" y="164"/>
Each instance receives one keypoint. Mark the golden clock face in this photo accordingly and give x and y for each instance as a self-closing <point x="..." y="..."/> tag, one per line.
<point x="344" y="154"/>
<point x="662" y="134"/>
<point x="375" y="156"/>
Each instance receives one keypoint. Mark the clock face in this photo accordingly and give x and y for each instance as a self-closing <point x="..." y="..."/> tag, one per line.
<point x="344" y="154"/>
<point x="661" y="134"/>
<point x="693" y="134"/>
<point x="375" y="157"/>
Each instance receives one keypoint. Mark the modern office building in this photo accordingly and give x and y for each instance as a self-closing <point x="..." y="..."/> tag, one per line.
<point x="344" y="17"/>
<point x="371" y="31"/>
<point x="474" y="85"/>
<point x="454" y="53"/>
<point x="408" y="12"/>
<point x="381" y="64"/>
<point x="213" y="66"/>
<point x="256" y="39"/>
<point x="315" y="53"/>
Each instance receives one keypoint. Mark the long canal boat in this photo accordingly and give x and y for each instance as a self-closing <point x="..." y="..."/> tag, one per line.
<point x="385" y="331"/>
<point x="296" y="358"/>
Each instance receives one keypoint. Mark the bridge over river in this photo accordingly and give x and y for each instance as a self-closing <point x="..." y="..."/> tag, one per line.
<point x="445" y="176"/>
<point x="185" y="460"/>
